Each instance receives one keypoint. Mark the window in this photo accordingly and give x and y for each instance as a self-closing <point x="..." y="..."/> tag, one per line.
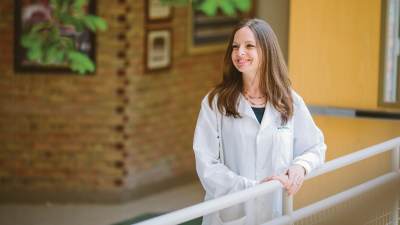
<point x="390" y="62"/>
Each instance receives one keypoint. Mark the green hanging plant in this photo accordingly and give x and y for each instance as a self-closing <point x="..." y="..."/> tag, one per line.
<point x="46" y="42"/>
<point x="211" y="7"/>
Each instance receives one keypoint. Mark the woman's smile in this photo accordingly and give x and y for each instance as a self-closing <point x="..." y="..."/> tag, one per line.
<point x="243" y="62"/>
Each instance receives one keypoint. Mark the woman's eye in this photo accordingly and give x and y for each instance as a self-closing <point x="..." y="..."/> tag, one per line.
<point x="235" y="46"/>
<point x="250" y="46"/>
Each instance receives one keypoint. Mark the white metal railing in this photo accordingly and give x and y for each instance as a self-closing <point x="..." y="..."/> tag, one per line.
<point x="290" y="216"/>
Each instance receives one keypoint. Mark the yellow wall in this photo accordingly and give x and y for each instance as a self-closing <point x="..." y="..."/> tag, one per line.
<point x="334" y="51"/>
<point x="343" y="136"/>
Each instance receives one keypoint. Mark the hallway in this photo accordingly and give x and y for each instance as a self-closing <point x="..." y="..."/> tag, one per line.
<point x="99" y="214"/>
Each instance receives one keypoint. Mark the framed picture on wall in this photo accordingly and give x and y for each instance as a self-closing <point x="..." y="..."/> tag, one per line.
<point x="156" y="11"/>
<point x="30" y="12"/>
<point x="158" y="49"/>
<point x="211" y="33"/>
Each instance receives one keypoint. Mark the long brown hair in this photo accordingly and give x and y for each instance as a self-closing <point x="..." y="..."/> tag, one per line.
<point x="274" y="80"/>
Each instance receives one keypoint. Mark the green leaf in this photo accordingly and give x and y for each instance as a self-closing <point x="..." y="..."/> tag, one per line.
<point x="175" y="2"/>
<point x="35" y="54"/>
<point x="94" y="23"/>
<point x="209" y="7"/>
<point x="80" y="62"/>
<point x="67" y="43"/>
<point x="54" y="54"/>
<point x="227" y="7"/>
<point x="78" y="4"/>
<point x="26" y="41"/>
<point x="33" y="42"/>
<point x="89" y="23"/>
<point x="101" y="24"/>
<point x="242" y="5"/>
<point x="59" y="56"/>
<point x="54" y="34"/>
<point x="30" y="40"/>
<point x="71" y="20"/>
<point x="38" y="27"/>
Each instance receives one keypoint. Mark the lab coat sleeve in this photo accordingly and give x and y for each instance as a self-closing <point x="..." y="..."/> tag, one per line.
<point x="309" y="146"/>
<point x="216" y="178"/>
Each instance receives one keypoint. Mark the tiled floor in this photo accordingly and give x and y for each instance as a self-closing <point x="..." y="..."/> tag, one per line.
<point x="96" y="214"/>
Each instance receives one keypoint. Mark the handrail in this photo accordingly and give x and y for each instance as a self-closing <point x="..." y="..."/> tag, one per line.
<point x="334" y="200"/>
<point x="355" y="157"/>
<point x="204" y="208"/>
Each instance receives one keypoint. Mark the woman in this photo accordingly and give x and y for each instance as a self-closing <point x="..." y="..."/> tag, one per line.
<point x="253" y="128"/>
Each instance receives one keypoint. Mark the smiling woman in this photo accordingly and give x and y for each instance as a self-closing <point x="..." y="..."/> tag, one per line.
<point x="253" y="128"/>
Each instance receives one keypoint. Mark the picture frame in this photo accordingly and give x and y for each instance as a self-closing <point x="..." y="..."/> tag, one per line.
<point x="158" y="53"/>
<point x="31" y="11"/>
<point x="211" y="33"/>
<point x="157" y="12"/>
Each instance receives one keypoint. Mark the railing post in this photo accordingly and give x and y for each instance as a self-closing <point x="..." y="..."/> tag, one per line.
<point x="395" y="167"/>
<point x="395" y="212"/>
<point x="287" y="204"/>
<point x="396" y="158"/>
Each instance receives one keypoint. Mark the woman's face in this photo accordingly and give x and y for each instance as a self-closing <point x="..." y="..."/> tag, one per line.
<point x="245" y="52"/>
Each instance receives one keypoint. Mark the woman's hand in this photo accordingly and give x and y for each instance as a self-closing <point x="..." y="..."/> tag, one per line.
<point x="296" y="175"/>
<point x="292" y="179"/>
<point x="283" y="178"/>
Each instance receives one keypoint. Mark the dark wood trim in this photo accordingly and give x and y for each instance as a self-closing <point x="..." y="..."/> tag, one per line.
<point x="378" y="114"/>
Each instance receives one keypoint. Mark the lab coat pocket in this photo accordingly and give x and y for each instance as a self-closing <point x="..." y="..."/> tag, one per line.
<point x="234" y="215"/>
<point x="283" y="148"/>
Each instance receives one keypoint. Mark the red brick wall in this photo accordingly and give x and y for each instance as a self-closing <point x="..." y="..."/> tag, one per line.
<point x="119" y="131"/>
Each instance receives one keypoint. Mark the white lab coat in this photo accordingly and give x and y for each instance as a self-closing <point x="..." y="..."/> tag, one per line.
<point x="251" y="152"/>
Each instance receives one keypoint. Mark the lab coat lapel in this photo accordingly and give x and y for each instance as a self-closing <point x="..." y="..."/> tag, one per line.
<point x="270" y="117"/>
<point x="245" y="109"/>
